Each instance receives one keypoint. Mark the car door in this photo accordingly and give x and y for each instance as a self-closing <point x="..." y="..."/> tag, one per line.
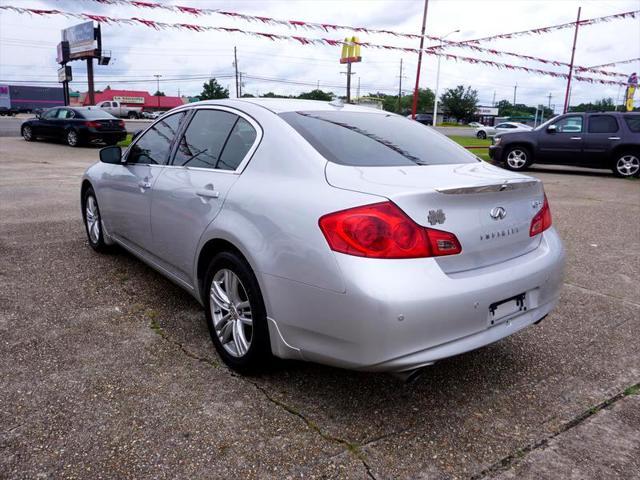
<point x="603" y="133"/>
<point x="208" y="159"/>
<point x="46" y="123"/>
<point x="61" y="122"/>
<point x="127" y="190"/>
<point x="503" y="128"/>
<point x="562" y="144"/>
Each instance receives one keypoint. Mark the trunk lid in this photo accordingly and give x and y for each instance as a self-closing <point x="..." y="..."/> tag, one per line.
<point x="488" y="209"/>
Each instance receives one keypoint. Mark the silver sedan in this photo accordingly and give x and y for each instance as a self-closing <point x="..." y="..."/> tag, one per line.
<point x="329" y="233"/>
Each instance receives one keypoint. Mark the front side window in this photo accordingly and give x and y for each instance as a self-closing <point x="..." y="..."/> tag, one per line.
<point x="154" y="146"/>
<point x="602" y="124"/>
<point x="215" y="139"/>
<point x="63" y="113"/>
<point x="571" y="124"/>
<point x="375" y="139"/>
<point x="50" y="114"/>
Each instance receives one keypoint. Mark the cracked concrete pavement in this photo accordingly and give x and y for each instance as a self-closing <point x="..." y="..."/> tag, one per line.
<point x="108" y="371"/>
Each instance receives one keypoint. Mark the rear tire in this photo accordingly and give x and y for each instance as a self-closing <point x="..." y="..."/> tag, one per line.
<point x="132" y="115"/>
<point x="517" y="158"/>
<point x="481" y="135"/>
<point x="236" y="315"/>
<point x="626" y="164"/>
<point x="72" y="138"/>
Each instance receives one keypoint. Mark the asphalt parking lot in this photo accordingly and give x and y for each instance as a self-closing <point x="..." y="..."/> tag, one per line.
<point x="108" y="371"/>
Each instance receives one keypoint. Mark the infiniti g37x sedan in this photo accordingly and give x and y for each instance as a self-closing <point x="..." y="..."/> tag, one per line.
<point x="328" y="233"/>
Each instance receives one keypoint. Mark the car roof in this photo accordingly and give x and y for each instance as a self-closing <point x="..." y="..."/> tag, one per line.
<point x="282" y="105"/>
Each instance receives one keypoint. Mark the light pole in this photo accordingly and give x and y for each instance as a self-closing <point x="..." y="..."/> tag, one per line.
<point x="435" y="101"/>
<point x="158" y="89"/>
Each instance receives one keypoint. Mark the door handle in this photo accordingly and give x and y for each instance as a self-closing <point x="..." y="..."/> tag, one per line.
<point x="144" y="184"/>
<point x="208" y="192"/>
<point x="613" y="138"/>
<point x="576" y="138"/>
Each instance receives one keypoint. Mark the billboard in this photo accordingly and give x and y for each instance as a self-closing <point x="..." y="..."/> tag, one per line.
<point x="5" y="96"/>
<point x="64" y="74"/>
<point x="82" y="40"/>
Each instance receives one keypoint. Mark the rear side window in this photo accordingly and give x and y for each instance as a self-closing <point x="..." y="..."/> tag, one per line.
<point x="602" y="124"/>
<point x="154" y="145"/>
<point x="374" y="139"/>
<point x="238" y="144"/>
<point x="633" y="122"/>
<point x="205" y="137"/>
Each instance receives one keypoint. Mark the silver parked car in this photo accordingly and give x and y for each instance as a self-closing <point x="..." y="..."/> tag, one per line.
<point x="329" y="233"/>
<point x="504" y="127"/>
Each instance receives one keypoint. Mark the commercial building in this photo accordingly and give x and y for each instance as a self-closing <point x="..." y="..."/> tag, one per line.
<point x="137" y="98"/>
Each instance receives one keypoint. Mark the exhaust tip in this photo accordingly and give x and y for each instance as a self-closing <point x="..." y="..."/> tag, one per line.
<point x="410" y="376"/>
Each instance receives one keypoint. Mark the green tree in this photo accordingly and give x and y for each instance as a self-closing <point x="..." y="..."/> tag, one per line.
<point x="426" y="99"/>
<point x="212" y="90"/>
<point x="273" y="95"/>
<point x="603" y="105"/>
<point x="159" y="94"/>
<point x="247" y="95"/>
<point x="506" y="109"/>
<point x="460" y="103"/>
<point x="317" y="94"/>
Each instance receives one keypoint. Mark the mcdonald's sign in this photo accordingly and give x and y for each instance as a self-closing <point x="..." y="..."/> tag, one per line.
<point x="350" y="51"/>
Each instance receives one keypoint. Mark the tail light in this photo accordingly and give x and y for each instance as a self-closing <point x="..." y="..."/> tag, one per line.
<point x="92" y="124"/>
<point x="542" y="219"/>
<point x="121" y="123"/>
<point x="382" y="230"/>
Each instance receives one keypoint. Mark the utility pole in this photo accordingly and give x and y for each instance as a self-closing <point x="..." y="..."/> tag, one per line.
<point x="400" y="89"/>
<point x="235" y="64"/>
<point x="240" y="83"/>
<point x="573" y="53"/>
<point x="549" y="97"/>
<point x="92" y="92"/>
<point x="515" y="89"/>
<point x="358" y="92"/>
<point x="415" y="90"/>
<point x="318" y="85"/>
<point x="158" y="89"/>
<point x="435" y="100"/>
<point x="493" y="102"/>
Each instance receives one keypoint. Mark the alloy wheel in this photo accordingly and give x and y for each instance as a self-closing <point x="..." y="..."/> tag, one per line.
<point x="517" y="159"/>
<point x="231" y="312"/>
<point x="628" y="165"/>
<point x="27" y="133"/>
<point x="72" y="138"/>
<point x="92" y="217"/>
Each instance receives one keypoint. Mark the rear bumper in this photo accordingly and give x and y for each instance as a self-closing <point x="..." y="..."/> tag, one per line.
<point x="400" y="315"/>
<point x="109" y="137"/>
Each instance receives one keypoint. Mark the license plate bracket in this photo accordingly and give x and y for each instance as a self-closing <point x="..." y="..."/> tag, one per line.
<point x="500" y="311"/>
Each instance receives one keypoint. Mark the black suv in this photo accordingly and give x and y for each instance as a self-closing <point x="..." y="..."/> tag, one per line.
<point x="595" y="140"/>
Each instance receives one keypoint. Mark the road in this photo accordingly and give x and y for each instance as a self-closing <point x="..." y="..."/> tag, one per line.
<point x="108" y="371"/>
<point x="10" y="127"/>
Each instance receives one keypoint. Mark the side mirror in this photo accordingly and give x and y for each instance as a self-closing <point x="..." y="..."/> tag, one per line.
<point x="111" y="154"/>
<point x="552" y="129"/>
<point x="38" y="114"/>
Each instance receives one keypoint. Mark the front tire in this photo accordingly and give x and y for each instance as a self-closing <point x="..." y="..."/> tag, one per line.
<point x="517" y="158"/>
<point x="93" y="221"/>
<point x="27" y="133"/>
<point x="72" y="138"/>
<point x="626" y="164"/>
<point x="236" y="315"/>
<point x="481" y="135"/>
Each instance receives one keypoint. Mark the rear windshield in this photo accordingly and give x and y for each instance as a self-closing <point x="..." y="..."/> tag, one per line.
<point x="95" y="114"/>
<point x="633" y="122"/>
<point x="373" y="139"/>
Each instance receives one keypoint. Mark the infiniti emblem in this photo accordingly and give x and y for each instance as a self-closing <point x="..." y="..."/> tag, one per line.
<point x="498" y="213"/>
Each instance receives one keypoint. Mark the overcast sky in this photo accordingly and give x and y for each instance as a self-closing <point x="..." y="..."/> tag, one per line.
<point x="28" y="43"/>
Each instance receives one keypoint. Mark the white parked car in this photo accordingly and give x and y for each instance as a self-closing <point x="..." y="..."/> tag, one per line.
<point x="504" y="127"/>
<point x="476" y="125"/>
